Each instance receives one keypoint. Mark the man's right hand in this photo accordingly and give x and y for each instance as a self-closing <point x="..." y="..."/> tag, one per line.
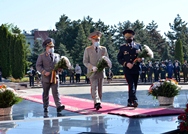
<point x="94" y="68"/>
<point x="47" y="74"/>
<point x="129" y="65"/>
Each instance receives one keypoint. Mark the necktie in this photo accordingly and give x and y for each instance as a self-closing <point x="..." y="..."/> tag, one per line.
<point x="51" y="56"/>
<point x="96" y="49"/>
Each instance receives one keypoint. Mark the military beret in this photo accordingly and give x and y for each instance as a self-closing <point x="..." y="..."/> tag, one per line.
<point x="95" y="35"/>
<point x="48" y="42"/>
<point x="128" y="33"/>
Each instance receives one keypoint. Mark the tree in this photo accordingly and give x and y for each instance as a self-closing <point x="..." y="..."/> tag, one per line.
<point x="112" y="51"/>
<point x="179" y="51"/>
<point x="80" y="45"/>
<point x="63" y="52"/>
<point x="156" y="42"/>
<point x="5" y="51"/>
<point x="179" y="31"/>
<point x="36" y="51"/>
<point x="18" y="68"/>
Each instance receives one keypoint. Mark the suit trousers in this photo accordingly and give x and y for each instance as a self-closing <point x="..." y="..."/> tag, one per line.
<point x="132" y="80"/>
<point x="96" y="89"/>
<point x="55" y="93"/>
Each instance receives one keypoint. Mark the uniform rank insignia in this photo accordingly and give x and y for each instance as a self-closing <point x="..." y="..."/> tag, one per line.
<point x="125" y="52"/>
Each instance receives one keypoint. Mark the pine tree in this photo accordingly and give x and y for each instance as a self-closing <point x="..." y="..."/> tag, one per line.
<point x="80" y="45"/>
<point x="18" y="69"/>
<point x="62" y="51"/>
<point x="112" y="51"/>
<point x="36" y="51"/>
<point x="4" y="51"/>
<point x="156" y="42"/>
<point x="179" y="31"/>
<point x="179" y="51"/>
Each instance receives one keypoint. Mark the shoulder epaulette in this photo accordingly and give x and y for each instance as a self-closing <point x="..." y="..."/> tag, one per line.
<point x="122" y="45"/>
<point x="42" y="53"/>
<point x="88" y="47"/>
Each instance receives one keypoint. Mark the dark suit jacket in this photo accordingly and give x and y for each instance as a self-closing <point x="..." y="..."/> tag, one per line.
<point x="127" y="54"/>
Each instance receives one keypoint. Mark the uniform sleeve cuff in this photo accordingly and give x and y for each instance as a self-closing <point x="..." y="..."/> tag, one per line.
<point x="124" y="64"/>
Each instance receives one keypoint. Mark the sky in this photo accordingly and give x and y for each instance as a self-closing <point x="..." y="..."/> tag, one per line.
<point x="43" y="14"/>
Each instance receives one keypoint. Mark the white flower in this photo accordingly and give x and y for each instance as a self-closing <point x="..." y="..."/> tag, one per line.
<point x="67" y="61"/>
<point x="150" y="52"/>
<point x="138" y="51"/>
<point x="108" y="61"/>
<point x="11" y="89"/>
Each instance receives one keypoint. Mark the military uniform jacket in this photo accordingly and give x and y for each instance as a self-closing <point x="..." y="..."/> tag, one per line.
<point x="185" y="68"/>
<point x="46" y="64"/>
<point x="150" y="70"/>
<point x="127" y="54"/>
<point x="91" y="58"/>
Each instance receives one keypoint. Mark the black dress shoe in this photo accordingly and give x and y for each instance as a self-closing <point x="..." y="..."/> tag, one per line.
<point x="60" y="115"/>
<point x="46" y="110"/>
<point x="129" y="104"/>
<point x="135" y="104"/>
<point x="59" y="109"/>
<point x="98" y="106"/>
<point x="46" y="115"/>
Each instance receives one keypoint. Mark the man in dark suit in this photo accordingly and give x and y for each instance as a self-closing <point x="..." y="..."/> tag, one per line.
<point x="45" y="65"/>
<point x="126" y="56"/>
<point x="31" y="76"/>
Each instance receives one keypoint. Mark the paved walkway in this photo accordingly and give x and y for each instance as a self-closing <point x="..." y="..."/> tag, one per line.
<point x="28" y="117"/>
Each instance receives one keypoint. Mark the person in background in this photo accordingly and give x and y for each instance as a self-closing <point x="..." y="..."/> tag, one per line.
<point x="156" y="72"/>
<point x="144" y="71"/>
<point x="31" y="76"/>
<point x="127" y="54"/>
<point x="185" y="71"/>
<point x="177" y="72"/>
<point x="150" y="72"/>
<point x="38" y="78"/>
<point x="170" y="70"/>
<point x="110" y="76"/>
<point x="45" y="65"/>
<point x="92" y="54"/>
<point x="163" y="70"/>
<point x="64" y="75"/>
<point x="78" y="72"/>
<point x="71" y="75"/>
<point x="60" y="76"/>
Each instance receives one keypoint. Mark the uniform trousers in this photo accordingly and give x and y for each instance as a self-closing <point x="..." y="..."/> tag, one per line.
<point x="96" y="89"/>
<point x="31" y="80"/>
<point x="55" y="93"/>
<point x="132" y="80"/>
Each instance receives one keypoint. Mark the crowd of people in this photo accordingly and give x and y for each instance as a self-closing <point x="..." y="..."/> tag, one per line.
<point x="151" y="72"/>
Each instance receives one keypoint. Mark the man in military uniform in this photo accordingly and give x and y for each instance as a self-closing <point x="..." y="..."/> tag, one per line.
<point x="92" y="55"/>
<point x="127" y="54"/>
<point x="144" y="71"/>
<point x="156" y="70"/>
<point x="185" y="71"/>
<point x="163" y="70"/>
<point x="150" y="72"/>
<point x="45" y="65"/>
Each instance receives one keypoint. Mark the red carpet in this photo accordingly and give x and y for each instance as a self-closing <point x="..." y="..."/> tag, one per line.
<point x="85" y="106"/>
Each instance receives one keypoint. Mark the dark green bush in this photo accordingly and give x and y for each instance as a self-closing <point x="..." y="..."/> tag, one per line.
<point x="8" y="99"/>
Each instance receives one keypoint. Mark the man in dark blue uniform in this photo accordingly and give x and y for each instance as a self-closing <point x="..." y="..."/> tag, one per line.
<point x="127" y="54"/>
<point x="163" y="70"/>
